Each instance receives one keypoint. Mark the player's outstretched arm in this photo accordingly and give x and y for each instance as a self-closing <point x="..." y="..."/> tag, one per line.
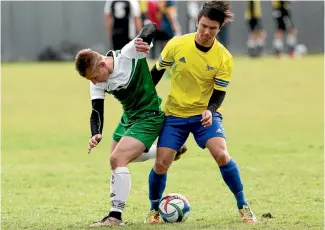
<point x="146" y="36"/>
<point x="148" y="32"/>
<point x="96" y="123"/>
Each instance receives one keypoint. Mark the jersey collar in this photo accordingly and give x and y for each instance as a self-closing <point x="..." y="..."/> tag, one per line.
<point x="112" y="53"/>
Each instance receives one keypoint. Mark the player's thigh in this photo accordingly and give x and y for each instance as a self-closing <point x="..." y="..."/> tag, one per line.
<point x="259" y="25"/>
<point x="113" y="146"/>
<point x="146" y="129"/>
<point x="164" y="158"/>
<point x="126" y="150"/>
<point x="120" y="129"/>
<point x="203" y="134"/>
<point x="277" y="15"/>
<point x="173" y="133"/>
<point x="218" y="149"/>
<point x="288" y="21"/>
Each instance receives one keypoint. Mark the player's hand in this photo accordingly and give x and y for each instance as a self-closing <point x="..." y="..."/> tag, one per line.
<point x="206" y="118"/>
<point x="94" y="141"/>
<point x="141" y="46"/>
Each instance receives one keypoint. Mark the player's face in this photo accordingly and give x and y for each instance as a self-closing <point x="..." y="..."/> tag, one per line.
<point x="207" y="30"/>
<point x="98" y="74"/>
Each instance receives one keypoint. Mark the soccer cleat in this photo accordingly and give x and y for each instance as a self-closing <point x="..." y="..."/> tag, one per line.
<point x="107" y="222"/>
<point x="153" y="217"/>
<point x="247" y="215"/>
<point x="180" y="152"/>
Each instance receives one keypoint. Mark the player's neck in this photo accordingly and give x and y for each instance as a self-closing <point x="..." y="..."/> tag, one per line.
<point x="109" y="61"/>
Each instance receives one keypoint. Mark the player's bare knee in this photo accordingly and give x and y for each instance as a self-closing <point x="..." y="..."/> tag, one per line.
<point x="162" y="166"/>
<point x="279" y="35"/>
<point x="221" y="156"/>
<point x="117" y="161"/>
<point x="114" y="161"/>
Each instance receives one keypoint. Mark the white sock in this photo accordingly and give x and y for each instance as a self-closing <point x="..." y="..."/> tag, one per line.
<point x="278" y="44"/>
<point x="120" y="188"/>
<point x="291" y="40"/>
<point x="147" y="156"/>
<point x="260" y="42"/>
<point x="251" y="44"/>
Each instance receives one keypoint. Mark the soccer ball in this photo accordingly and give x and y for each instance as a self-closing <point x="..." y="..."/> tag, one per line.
<point x="301" y="50"/>
<point x="174" y="208"/>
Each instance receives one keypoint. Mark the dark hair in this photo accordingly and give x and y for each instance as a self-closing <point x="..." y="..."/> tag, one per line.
<point x="217" y="11"/>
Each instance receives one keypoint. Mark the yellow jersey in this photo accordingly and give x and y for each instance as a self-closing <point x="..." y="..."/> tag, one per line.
<point x="253" y="9"/>
<point x="280" y="4"/>
<point x="143" y="6"/>
<point x="194" y="74"/>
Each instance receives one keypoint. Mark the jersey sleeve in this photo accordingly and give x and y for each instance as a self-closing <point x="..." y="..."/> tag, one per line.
<point x="135" y="8"/>
<point x="96" y="92"/>
<point x="224" y="74"/>
<point x="130" y="51"/>
<point x="166" y="58"/>
<point x="107" y="7"/>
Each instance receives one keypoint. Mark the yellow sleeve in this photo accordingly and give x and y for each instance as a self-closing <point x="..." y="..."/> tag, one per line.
<point x="224" y="74"/>
<point x="166" y="58"/>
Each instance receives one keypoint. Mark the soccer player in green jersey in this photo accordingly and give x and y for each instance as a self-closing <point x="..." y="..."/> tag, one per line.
<point x="124" y="74"/>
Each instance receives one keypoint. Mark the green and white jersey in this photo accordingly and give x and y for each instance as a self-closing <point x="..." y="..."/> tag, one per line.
<point x="130" y="83"/>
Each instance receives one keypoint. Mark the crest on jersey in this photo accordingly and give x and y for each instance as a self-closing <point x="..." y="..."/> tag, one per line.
<point x="208" y="68"/>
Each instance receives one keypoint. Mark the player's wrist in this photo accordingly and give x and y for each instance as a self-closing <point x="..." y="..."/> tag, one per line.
<point x="95" y="134"/>
<point x="212" y="108"/>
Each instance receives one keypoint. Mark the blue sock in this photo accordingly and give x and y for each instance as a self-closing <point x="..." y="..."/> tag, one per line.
<point x="157" y="185"/>
<point x="231" y="176"/>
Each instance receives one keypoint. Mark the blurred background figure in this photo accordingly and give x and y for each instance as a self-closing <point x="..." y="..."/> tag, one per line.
<point x="164" y="14"/>
<point x="154" y="15"/>
<point x="284" y="26"/>
<point x="144" y="11"/>
<point x="169" y="22"/>
<point x="122" y="21"/>
<point x="80" y="24"/>
<point x="256" y="33"/>
<point x="222" y="36"/>
<point x="193" y="8"/>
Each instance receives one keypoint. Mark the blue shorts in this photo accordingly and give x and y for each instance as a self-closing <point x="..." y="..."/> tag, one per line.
<point x="175" y="131"/>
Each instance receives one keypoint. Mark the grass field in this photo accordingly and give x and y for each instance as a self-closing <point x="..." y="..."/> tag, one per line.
<point x="273" y="116"/>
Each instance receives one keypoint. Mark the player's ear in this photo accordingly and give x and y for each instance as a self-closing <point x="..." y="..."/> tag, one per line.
<point x="102" y="64"/>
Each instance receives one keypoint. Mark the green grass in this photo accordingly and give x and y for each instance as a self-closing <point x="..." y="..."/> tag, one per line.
<point x="273" y="116"/>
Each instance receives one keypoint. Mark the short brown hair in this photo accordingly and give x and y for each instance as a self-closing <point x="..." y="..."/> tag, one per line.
<point x="217" y="11"/>
<point x="85" y="60"/>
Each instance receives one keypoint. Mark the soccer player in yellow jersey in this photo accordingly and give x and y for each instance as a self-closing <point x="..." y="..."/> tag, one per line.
<point x="201" y="70"/>
<point x="256" y="33"/>
<point x="284" y="25"/>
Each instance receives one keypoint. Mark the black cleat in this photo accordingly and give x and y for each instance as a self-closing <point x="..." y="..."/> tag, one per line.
<point x="180" y="152"/>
